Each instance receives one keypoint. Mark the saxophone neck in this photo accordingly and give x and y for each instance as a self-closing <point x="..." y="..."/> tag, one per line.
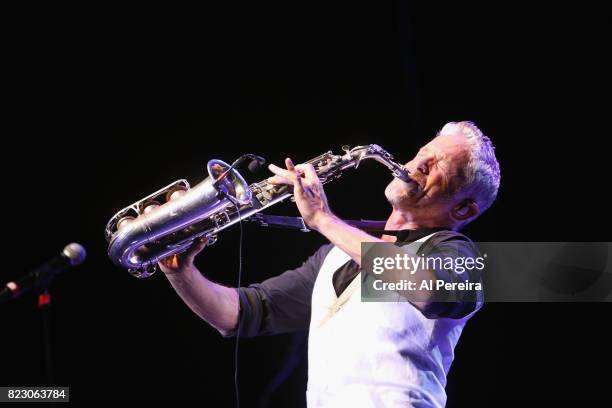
<point x="328" y="167"/>
<point x="374" y="151"/>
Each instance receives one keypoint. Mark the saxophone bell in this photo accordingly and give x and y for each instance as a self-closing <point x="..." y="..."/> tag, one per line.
<point x="167" y="221"/>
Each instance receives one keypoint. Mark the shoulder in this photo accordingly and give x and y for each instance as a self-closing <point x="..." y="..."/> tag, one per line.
<point x="324" y="250"/>
<point x="313" y="263"/>
<point x="448" y="240"/>
<point x="319" y="256"/>
<point x="449" y="235"/>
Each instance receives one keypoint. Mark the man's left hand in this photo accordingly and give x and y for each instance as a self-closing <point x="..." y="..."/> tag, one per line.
<point x="307" y="190"/>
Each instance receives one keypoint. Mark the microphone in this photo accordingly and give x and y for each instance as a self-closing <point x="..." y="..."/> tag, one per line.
<point x="72" y="255"/>
<point x="254" y="165"/>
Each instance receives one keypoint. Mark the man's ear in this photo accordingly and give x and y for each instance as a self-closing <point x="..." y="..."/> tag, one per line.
<point x="465" y="210"/>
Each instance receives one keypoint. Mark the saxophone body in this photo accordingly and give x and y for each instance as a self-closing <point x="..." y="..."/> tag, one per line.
<point x="168" y="221"/>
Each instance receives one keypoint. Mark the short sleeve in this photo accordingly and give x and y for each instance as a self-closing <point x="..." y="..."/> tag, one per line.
<point x="456" y="304"/>
<point x="280" y="304"/>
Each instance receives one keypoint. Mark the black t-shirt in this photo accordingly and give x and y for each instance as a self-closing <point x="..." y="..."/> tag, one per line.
<point x="282" y="304"/>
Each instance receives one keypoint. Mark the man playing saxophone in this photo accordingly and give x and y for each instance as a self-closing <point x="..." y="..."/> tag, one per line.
<point x="365" y="354"/>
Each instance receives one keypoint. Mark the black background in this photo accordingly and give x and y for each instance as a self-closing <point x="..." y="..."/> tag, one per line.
<point x="104" y="105"/>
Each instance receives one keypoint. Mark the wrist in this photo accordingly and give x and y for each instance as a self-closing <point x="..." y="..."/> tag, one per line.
<point x="323" y="221"/>
<point x="182" y="272"/>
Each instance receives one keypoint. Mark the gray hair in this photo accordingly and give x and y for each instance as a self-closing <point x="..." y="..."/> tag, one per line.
<point x="482" y="170"/>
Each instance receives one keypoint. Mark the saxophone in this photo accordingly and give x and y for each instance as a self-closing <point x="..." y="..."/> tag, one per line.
<point x="168" y="221"/>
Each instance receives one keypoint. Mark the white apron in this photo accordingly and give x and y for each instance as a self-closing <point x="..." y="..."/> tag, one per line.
<point x="374" y="354"/>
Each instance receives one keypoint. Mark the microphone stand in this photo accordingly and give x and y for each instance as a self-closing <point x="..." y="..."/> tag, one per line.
<point x="39" y="282"/>
<point x="44" y="305"/>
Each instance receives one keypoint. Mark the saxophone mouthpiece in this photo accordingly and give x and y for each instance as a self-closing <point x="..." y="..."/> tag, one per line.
<point x="403" y="174"/>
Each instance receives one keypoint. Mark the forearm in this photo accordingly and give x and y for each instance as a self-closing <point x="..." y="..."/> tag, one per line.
<point x="216" y="304"/>
<point x="344" y="236"/>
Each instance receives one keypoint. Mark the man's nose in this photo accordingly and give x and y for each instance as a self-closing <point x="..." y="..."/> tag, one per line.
<point x="421" y="166"/>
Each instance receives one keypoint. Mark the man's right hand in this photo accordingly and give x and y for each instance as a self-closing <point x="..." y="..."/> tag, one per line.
<point x="217" y="304"/>
<point x="179" y="263"/>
